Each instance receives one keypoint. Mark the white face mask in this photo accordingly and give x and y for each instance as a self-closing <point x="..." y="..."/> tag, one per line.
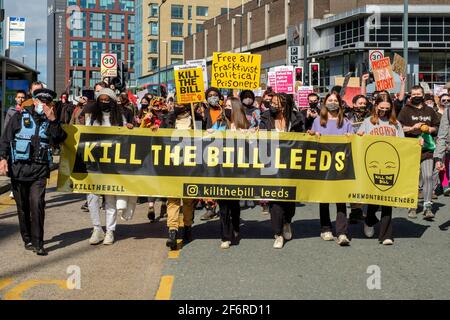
<point x="40" y="108"/>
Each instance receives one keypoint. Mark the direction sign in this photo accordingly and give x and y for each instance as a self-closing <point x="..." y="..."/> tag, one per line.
<point x="16" y="31"/>
<point x="109" y="65"/>
<point x="294" y="56"/>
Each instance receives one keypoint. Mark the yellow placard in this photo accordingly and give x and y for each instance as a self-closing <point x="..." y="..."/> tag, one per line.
<point x="238" y="165"/>
<point x="189" y="85"/>
<point x="236" y="71"/>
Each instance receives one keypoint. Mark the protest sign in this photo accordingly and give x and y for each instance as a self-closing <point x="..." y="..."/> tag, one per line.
<point x="384" y="77"/>
<point x="284" y="79"/>
<point x="189" y="84"/>
<point x="302" y="96"/>
<point x="236" y="71"/>
<point x="439" y="90"/>
<point x="238" y="165"/>
<point x="399" y="65"/>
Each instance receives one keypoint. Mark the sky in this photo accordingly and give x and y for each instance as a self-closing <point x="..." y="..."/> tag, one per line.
<point x="35" y="12"/>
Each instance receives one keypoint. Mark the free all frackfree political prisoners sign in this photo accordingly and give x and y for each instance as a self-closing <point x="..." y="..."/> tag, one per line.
<point x="189" y="84"/>
<point x="236" y="71"/>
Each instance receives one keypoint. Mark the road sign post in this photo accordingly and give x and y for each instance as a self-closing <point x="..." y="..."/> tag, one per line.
<point x="109" y="65"/>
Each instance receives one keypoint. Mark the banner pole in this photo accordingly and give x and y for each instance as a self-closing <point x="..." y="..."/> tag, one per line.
<point x="193" y="115"/>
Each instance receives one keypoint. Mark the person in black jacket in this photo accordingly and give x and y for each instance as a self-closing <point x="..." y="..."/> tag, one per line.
<point x="282" y="117"/>
<point x="25" y="156"/>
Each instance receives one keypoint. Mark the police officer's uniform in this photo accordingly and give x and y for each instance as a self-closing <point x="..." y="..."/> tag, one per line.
<point x="25" y="143"/>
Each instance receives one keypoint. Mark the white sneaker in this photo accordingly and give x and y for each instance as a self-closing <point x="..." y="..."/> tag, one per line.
<point x="369" y="231"/>
<point x="279" y="242"/>
<point x="343" y="240"/>
<point x="388" y="242"/>
<point x="327" y="236"/>
<point x="97" y="236"/>
<point x="109" y="238"/>
<point x="225" y="244"/>
<point x="287" y="231"/>
<point x="11" y="195"/>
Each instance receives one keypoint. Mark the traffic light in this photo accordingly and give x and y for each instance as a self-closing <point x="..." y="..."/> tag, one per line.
<point x="299" y="74"/>
<point x="314" y="74"/>
<point x="120" y="81"/>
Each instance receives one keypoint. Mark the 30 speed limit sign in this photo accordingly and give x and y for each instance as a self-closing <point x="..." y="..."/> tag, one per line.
<point x="375" y="55"/>
<point x="109" y="65"/>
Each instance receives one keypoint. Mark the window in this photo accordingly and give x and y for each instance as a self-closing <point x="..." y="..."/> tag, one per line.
<point x="78" y="53"/>
<point x="152" y="64"/>
<point x="177" y="11"/>
<point x="176" y="61"/>
<point x="131" y="56"/>
<point x="71" y="3"/>
<point x="107" y="4"/>
<point x="97" y="48"/>
<point x="98" y="25"/>
<point x="117" y="48"/>
<point x="79" y="29"/>
<point x="88" y="4"/>
<point x="177" y="29"/>
<point x="177" y="47"/>
<point x="434" y="67"/>
<point x="131" y="27"/>
<point x="189" y="12"/>
<point x="116" y="26"/>
<point x="189" y="29"/>
<point x="127" y="5"/>
<point x="94" y="77"/>
<point x="152" y="9"/>
<point x="223" y="11"/>
<point x="78" y="78"/>
<point x="153" y="46"/>
<point x="199" y="28"/>
<point x="202" y="11"/>
<point x="153" y="28"/>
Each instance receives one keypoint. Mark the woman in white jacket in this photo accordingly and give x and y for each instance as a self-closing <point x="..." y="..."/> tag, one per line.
<point x="106" y="113"/>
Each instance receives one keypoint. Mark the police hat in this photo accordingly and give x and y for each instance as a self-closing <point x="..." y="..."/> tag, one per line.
<point x="44" y="94"/>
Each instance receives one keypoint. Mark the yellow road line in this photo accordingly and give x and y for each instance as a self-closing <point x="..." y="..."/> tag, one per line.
<point x="173" y="254"/>
<point x="5" y="282"/>
<point x="16" y="292"/>
<point x="165" y="288"/>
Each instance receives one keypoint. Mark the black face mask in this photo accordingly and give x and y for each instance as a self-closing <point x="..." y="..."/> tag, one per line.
<point x="144" y="106"/>
<point x="313" y="104"/>
<point x="274" y="111"/>
<point x="228" y="114"/>
<point x="105" y="107"/>
<point x="416" y="100"/>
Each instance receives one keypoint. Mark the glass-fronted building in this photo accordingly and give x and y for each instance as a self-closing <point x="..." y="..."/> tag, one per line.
<point x="344" y="40"/>
<point x="102" y="26"/>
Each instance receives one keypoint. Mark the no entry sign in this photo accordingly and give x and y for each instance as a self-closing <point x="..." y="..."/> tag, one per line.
<point x="109" y="65"/>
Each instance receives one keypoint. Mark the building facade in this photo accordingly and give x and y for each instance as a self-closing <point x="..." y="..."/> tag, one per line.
<point x="341" y="33"/>
<point x="83" y="30"/>
<point x="2" y="27"/>
<point x="179" y="19"/>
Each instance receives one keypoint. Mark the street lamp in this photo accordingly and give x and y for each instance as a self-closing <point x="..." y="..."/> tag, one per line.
<point x="35" y="55"/>
<point x="159" y="41"/>
<point x="167" y="61"/>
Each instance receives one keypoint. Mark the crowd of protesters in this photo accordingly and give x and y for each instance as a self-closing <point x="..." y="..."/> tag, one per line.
<point x="414" y="115"/>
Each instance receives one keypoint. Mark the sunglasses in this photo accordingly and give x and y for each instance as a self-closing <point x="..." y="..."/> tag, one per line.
<point x="445" y="100"/>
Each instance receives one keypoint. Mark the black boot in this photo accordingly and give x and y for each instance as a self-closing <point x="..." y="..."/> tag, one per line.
<point x="40" y="251"/>
<point x="172" y="241"/>
<point x="151" y="214"/>
<point x="187" y="235"/>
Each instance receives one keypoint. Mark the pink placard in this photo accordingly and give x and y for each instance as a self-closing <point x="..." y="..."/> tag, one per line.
<point x="302" y="96"/>
<point x="285" y="81"/>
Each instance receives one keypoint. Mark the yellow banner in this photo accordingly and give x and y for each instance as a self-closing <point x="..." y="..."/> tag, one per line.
<point x="189" y="85"/>
<point x="236" y="71"/>
<point x="235" y="165"/>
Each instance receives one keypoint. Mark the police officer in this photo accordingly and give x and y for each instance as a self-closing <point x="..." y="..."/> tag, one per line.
<point x="25" y="155"/>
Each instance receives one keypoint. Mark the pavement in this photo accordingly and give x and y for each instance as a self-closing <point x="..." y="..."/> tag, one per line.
<point x="139" y="266"/>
